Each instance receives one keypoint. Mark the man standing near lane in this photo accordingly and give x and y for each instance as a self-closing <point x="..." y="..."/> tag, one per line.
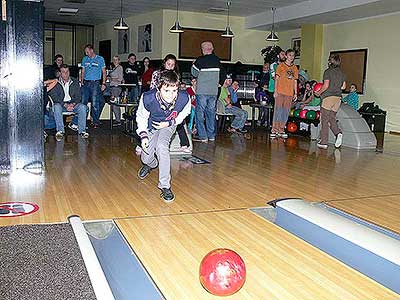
<point x="93" y="82"/>
<point x="206" y="69"/>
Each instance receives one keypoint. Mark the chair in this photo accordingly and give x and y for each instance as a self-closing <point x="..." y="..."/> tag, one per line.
<point x="221" y="116"/>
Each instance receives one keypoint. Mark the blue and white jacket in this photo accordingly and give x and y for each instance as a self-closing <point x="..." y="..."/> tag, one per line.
<point x="152" y="109"/>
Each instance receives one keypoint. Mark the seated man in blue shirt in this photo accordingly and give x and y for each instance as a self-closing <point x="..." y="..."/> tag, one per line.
<point x="233" y="89"/>
<point x="66" y="96"/>
<point x="240" y="114"/>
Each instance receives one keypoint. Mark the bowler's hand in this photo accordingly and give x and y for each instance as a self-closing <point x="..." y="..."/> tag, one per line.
<point x="160" y="125"/>
<point x="294" y="98"/>
<point x="70" y="107"/>
<point x="145" y="143"/>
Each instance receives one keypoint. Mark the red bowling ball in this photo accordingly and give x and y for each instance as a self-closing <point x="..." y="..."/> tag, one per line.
<point x="222" y="272"/>
<point x="317" y="116"/>
<point x="317" y="87"/>
<point x="291" y="127"/>
<point x="303" y="113"/>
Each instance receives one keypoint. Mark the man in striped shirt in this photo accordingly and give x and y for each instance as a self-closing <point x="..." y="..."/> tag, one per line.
<point x="206" y="69"/>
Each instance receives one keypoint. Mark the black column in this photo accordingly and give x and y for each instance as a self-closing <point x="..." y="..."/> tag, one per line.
<point x="4" y="131"/>
<point x="24" y="57"/>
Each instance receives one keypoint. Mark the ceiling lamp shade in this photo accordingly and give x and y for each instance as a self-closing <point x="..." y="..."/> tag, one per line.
<point x="228" y="32"/>
<point x="121" y="25"/>
<point x="176" y="28"/>
<point x="272" y="37"/>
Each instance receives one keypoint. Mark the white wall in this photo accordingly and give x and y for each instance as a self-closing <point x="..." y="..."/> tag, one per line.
<point x="380" y="36"/>
<point x="246" y="45"/>
<point x="106" y="31"/>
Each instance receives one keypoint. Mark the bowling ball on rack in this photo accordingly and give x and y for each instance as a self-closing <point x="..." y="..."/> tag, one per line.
<point x="317" y="115"/>
<point x="292" y="127"/>
<point x="303" y="113"/>
<point x="311" y="115"/>
<point x="291" y="112"/>
<point x="296" y="113"/>
<point x="222" y="272"/>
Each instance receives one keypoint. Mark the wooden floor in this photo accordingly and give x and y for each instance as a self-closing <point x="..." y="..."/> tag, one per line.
<point x="279" y="265"/>
<point x="97" y="179"/>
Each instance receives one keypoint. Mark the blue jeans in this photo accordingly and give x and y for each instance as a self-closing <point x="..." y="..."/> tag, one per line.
<point x="91" y="90"/>
<point x="49" y="122"/>
<point x="79" y="110"/>
<point x="134" y="94"/>
<point x="240" y="116"/>
<point x="205" y="111"/>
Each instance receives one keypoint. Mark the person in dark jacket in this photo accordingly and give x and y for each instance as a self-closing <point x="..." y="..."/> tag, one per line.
<point x="66" y="96"/>
<point x="206" y="69"/>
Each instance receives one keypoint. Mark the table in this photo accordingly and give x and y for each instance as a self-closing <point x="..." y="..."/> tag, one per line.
<point x="268" y="108"/>
<point x="126" y="106"/>
<point x="126" y="86"/>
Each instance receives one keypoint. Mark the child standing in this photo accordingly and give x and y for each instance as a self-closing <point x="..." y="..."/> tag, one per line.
<point x="352" y="98"/>
<point x="116" y="76"/>
<point x="160" y="111"/>
<point x="285" y="92"/>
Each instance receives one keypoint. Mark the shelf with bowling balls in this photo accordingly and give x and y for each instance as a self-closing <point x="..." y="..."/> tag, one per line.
<point x="305" y="114"/>
<point x="301" y="115"/>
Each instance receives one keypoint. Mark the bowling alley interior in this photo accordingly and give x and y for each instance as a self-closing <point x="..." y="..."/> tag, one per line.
<point x="185" y="150"/>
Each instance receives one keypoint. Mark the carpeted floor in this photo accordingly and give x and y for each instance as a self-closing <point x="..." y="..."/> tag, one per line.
<point x="42" y="262"/>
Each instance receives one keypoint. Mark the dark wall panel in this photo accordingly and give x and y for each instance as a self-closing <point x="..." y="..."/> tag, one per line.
<point x="4" y="126"/>
<point x="26" y="97"/>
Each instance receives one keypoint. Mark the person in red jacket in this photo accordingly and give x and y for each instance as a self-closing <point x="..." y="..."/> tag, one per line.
<point x="147" y="74"/>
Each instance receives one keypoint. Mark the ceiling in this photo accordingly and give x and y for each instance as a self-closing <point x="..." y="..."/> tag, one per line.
<point x="100" y="11"/>
<point x="290" y="14"/>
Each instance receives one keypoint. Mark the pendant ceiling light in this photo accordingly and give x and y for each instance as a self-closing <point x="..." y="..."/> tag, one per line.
<point x="121" y="25"/>
<point x="272" y="37"/>
<point x="177" y="28"/>
<point x="228" y="32"/>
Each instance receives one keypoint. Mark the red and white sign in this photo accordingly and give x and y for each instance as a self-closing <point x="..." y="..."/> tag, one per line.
<point x="17" y="209"/>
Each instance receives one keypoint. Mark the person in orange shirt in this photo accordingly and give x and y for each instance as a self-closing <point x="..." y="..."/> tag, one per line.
<point x="285" y="93"/>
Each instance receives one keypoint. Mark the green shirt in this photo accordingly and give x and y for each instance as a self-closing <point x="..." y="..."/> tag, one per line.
<point x="223" y="95"/>
<point x="272" y="72"/>
<point x="316" y="101"/>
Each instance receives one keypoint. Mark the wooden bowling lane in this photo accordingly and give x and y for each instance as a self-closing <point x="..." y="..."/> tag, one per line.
<point x="97" y="178"/>
<point x="279" y="265"/>
<point x="383" y="211"/>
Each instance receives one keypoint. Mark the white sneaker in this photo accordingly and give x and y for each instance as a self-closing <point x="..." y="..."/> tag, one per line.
<point x="339" y="139"/>
<point x="186" y="149"/>
<point x="73" y="127"/>
<point x="84" y="135"/>
<point x="59" y="135"/>
<point x="273" y="135"/>
<point x="322" y="146"/>
<point x="283" y="135"/>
